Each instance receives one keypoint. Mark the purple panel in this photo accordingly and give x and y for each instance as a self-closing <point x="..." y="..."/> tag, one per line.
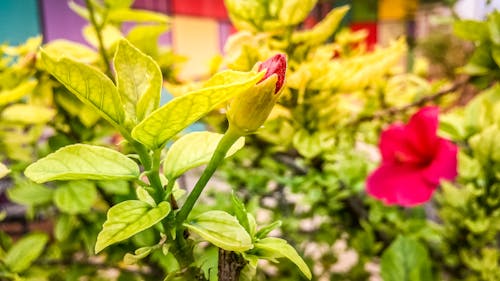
<point x="61" y="22"/>
<point x="225" y="30"/>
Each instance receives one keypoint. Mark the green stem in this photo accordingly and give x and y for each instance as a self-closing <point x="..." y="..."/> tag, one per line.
<point x="151" y="165"/>
<point x="224" y="145"/>
<point x="98" y="31"/>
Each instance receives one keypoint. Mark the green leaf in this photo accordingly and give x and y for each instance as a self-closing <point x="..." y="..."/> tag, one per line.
<point x="139" y="81"/>
<point x="308" y="145"/>
<point x="91" y="86"/>
<point x="118" y="187"/>
<point x="495" y="54"/>
<point x="406" y="259"/>
<point x="322" y="30"/>
<point x="294" y="12"/>
<point x="11" y="95"/>
<point x="170" y="119"/>
<point x="494" y="27"/>
<point x="240" y="212"/>
<point x="28" y="114"/>
<point x="25" y="251"/>
<point x="75" y="197"/>
<point x="63" y="227"/>
<point x="111" y="35"/>
<point x="264" y="231"/>
<point x="481" y="61"/>
<point x="143" y="195"/>
<point x="144" y="37"/>
<point x="273" y="248"/>
<point x="127" y="15"/>
<point x="128" y="218"/>
<point x="468" y="167"/>
<point x="82" y="161"/>
<point x="193" y="150"/>
<point x="29" y="193"/>
<point x="222" y="230"/>
<point x="3" y="170"/>
<point x="76" y="51"/>
<point x="114" y="4"/>
<point x="471" y="30"/>
<point x="138" y="255"/>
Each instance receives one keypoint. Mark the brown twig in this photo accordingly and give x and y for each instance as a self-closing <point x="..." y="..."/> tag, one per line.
<point x="395" y="110"/>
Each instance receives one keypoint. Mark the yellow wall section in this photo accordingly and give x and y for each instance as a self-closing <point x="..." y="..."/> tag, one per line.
<point x="198" y="39"/>
<point x="396" y="9"/>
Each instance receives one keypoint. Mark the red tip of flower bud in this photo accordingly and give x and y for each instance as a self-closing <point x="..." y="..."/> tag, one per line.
<point x="275" y="65"/>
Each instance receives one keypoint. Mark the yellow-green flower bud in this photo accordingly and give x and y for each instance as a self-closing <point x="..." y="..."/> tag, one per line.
<point x="248" y="111"/>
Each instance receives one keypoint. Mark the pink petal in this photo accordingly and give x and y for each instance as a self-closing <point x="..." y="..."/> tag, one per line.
<point x="421" y="131"/>
<point x="275" y="65"/>
<point x="395" y="147"/>
<point x="444" y="164"/>
<point x="399" y="184"/>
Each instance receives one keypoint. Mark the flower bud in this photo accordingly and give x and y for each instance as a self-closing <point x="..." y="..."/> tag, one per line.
<point x="249" y="110"/>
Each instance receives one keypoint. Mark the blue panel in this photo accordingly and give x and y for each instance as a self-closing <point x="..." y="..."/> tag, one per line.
<point x="19" y="20"/>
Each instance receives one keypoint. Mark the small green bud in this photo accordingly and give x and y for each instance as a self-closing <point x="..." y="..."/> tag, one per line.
<point x="249" y="110"/>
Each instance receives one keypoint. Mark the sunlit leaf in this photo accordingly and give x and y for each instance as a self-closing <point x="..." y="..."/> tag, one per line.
<point x="139" y="81"/>
<point x="91" y="86"/>
<point x="192" y="150"/>
<point x="111" y="35"/>
<point x="11" y="95"/>
<point x="470" y="30"/>
<point x="144" y="38"/>
<point x="76" y="51"/>
<point x="322" y="30"/>
<point x="405" y="259"/>
<point x="28" y="114"/>
<point x="3" y="170"/>
<point x="82" y="161"/>
<point x="170" y="119"/>
<point x="29" y="193"/>
<point x="75" y="197"/>
<point x="128" y="218"/>
<point x="274" y="248"/>
<point x="25" y="251"/>
<point x="126" y="15"/>
<point x="222" y="230"/>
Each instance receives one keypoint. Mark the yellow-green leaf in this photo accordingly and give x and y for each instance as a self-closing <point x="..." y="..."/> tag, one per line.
<point x="25" y="251"/>
<point x="82" y="161"/>
<point x="91" y="86"/>
<point x="193" y="150"/>
<point x="126" y="15"/>
<point x="11" y="95"/>
<point x="323" y="30"/>
<point x="110" y="35"/>
<point x="3" y="170"/>
<point x="274" y="248"/>
<point x="143" y="36"/>
<point x="76" y="51"/>
<point x="295" y="11"/>
<point x="139" y="81"/>
<point x="128" y="218"/>
<point x="222" y="230"/>
<point x="28" y="114"/>
<point x="75" y="197"/>
<point x="170" y="119"/>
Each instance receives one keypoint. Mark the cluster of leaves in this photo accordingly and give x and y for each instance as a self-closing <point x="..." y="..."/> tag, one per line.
<point x="101" y="196"/>
<point x="469" y="209"/>
<point x="39" y="115"/>
<point x="309" y="163"/>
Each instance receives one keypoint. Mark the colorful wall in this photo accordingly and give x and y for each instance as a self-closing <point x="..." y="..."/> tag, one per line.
<point x="201" y="27"/>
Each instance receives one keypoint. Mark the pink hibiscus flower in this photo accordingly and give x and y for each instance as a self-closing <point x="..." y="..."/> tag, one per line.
<point x="414" y="160"/>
